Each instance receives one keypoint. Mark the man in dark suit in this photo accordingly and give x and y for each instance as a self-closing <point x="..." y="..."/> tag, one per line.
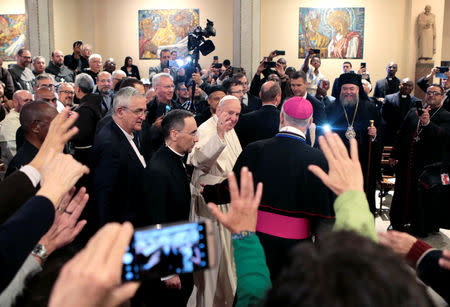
<point x="35" y="119"/>
<point x="263" y="123"/>
<point x="76" y="61"/>
<point x="395" y="108"/>
<point x="168" y="195"/>
<point x="298" y="86"/>
<point x="159" y="106"/>
<point x="388" y="85"/>
<point x="251" y="103"/>
<point x="424" y="82"/>
<point x="117" y="164"/>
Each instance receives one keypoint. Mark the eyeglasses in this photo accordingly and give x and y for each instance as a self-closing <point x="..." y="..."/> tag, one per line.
<point x="193" y="133"/>
<point x="67" y="92"/>
<point x="434" y="93"/>
<point x="138" y="112"/>
<point x="238" y="92"/>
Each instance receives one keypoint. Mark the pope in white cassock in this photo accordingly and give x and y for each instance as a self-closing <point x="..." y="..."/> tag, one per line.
<point x="213" y="157"/>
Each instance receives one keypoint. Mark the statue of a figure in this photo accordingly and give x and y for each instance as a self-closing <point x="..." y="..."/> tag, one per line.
<point x="426" y="26"/>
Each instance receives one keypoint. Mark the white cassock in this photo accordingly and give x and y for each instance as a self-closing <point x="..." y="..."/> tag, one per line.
<point x="213" y="159"/>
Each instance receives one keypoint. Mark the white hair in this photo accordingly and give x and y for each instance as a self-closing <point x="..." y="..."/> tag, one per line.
<point x="118" y="72"/>
<point x="226" y="98"/>
<point x="157" y="77"/>
<point x="95" y="56"/>
<point x="123" y="97"/>
<point x="296" y="122"/>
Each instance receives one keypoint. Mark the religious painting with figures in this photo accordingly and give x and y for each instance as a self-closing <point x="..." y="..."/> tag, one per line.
<point x="336" y="32"/>
<point x="12" y="35"/>
<point x="159" y="29"/>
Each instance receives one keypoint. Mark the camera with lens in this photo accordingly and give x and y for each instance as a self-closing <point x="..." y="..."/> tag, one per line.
<point x="196" y="38"/>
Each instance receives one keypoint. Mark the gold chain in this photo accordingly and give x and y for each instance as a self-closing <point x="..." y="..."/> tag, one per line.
<point x="354" y="114"/>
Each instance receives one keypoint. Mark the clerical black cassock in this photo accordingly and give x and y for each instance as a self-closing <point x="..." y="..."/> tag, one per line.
<point x="294" y="204"/>
<point x="415" y="147"/>
<point x="395" y="108"/>
<point x="167" y="200"/>
<point x="367" y="146"/>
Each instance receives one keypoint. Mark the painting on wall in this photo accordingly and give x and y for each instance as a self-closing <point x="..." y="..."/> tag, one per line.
<point x="159" y="29"/>
<point x="12" y="35"/>
<point x="337" y="32"/>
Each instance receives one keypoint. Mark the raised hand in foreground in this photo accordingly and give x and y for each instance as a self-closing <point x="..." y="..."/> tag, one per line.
<point x="59" y="174"/>
<point x="60" y="131"/>
<point x="344" y="171"/>
<point x="243" y="211"/>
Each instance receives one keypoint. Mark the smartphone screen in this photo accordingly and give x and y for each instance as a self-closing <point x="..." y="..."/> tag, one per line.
<point x="172" y="249"/>
<point x="172" y="63"/>
<point x="441" y="74"/>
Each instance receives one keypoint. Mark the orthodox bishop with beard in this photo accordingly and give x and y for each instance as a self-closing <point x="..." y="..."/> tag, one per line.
<point x="351" y="117"/>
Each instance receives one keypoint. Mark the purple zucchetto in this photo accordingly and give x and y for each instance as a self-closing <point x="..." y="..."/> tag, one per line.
<point x="298" y="107"/>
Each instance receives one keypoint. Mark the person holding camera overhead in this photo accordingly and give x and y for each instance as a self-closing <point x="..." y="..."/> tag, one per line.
<point x="444" y="75"/>
<point x="420" y="141"/>
<point x="312" y="70"/>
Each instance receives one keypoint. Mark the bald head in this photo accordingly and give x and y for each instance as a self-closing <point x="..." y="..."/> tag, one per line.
<point x="35" y="119"/>
<point x="104" y="82"/>
<point x="392" y="68"/>
<point x="270" y="93"/>
<point x="58" y="58"/>
<point x="21" y="98"/>
<point x="406" y="86"/>
<point x="47" y="95"/>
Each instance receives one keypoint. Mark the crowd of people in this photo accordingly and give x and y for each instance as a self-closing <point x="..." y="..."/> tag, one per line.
<point x="287" y="171"/>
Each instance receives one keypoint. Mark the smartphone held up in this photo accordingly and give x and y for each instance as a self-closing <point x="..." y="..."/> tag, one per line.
<point x="162" y="250"/>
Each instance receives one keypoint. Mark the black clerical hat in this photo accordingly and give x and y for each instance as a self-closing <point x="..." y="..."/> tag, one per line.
<point x="350" y="78"/>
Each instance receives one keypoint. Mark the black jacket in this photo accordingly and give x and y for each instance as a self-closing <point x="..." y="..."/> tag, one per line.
<point x="258" y="125"/>
<point x="134" y="72"/>
<point x="168" y="196"/>
<point x="24" y="155"/>
<point x="72" y="63"/>
<point x="116" y="178"/>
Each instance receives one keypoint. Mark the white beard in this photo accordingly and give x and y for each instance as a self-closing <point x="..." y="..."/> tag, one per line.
<point x="349" y="101"/>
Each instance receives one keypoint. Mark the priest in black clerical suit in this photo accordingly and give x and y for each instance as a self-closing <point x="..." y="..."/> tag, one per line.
<point x="353" y="120"/>
<point x="388" y="85"/>
<point x="295" y="204"/>
<point x="263" y="123"/>
<point x="395" y="108"/>
<point x="420" y="141"/>
<point x="168" y="195"/>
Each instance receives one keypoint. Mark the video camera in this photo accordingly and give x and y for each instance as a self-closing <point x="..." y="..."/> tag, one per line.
<point x="196" y="38"/>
